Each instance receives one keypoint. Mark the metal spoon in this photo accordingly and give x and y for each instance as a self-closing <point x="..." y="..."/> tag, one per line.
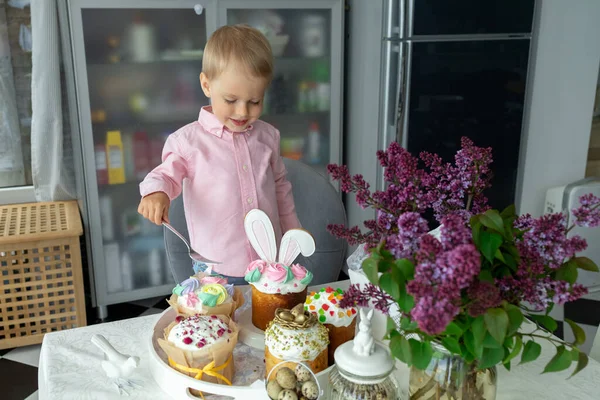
<point x="194" y="255"/>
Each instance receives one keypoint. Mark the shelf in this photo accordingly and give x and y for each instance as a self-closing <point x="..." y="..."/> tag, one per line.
<point x="129" y="64"/>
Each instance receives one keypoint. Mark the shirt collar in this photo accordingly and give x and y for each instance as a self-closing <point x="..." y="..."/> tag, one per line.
<point x="211" y="123"/>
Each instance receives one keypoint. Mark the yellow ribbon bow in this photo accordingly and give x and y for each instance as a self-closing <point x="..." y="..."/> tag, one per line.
<point x="209" y="369"/>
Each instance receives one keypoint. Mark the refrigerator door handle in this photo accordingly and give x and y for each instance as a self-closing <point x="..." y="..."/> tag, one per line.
<point x="403" y="95"/>
<point x="390" y="86"/>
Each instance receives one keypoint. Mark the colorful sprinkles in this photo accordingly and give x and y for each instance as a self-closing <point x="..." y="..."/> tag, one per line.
<point x="324" y="304"/>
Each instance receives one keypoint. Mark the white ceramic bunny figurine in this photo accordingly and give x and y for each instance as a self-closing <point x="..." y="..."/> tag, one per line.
<point x="364" y="345"/>
<point x="261" y="234"/>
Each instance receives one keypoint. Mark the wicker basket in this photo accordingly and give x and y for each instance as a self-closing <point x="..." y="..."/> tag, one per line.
<point x="41" y="284"/>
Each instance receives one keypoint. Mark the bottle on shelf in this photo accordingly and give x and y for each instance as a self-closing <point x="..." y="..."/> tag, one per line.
<point x="314" y="144"/>
<point x="128" y="157"/>
<point x="106" y="218"/>
<point x="126" y="271"/>
<point x="114" y="155"/>
<point x="101" y="165"/>
<point x="303" y="104"/>
<point x="114" y="279"/>
<point x="323" y="86"/>
<point x="141" y="150"/>
<point x="155" y="267"/>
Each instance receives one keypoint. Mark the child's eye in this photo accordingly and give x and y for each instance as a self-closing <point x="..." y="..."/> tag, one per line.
<point x="255" y="102"/>
<point x="229" y="101"/>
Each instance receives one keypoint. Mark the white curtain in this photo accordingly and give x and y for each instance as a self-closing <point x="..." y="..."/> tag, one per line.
<point x="11" y="158"/>
<point x="51" y="150"/>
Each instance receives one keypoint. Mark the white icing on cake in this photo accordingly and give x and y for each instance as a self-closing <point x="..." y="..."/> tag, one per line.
<point x="199" y="331"/>
<point x="188" y="301"/>
<point x="324" y="304"/>
<point x="290" y="344"/>
<point x="276" y="278"/>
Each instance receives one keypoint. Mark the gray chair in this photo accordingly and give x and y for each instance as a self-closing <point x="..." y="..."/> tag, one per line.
<point x="317" y="205"/>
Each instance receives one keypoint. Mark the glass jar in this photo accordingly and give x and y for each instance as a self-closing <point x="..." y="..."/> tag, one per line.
<point x="346" y="386"/>
<point x="449" y="377"/>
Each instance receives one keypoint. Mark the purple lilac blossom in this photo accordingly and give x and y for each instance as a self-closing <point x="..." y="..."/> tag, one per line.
<point x="433" y="314"/>
<point x="588" y="213"/>
<point x="483" y="295"/>
<point x="411" y="226"/>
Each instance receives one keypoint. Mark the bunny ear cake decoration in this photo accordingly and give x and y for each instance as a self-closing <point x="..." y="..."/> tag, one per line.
<point x="261" y="234"/>
<point x="274" y="272"/>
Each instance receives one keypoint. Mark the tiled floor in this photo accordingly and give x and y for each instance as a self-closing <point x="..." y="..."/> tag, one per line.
<point x="19" y="367"/>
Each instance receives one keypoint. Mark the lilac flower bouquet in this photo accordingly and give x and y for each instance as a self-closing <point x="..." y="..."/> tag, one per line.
<point x="471" y="290"/>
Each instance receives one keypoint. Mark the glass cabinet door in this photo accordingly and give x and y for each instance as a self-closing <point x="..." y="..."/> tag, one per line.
<point x="138" y="82"/>
<point x="304" y="99"/>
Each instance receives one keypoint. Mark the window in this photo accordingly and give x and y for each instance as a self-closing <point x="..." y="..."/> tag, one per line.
<point x="15" y="99"/>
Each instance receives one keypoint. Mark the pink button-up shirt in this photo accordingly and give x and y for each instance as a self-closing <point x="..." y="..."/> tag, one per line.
<point x="223" y="176"/>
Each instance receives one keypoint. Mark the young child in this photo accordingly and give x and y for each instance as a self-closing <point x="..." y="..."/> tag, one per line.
<point x="227" y="162"/>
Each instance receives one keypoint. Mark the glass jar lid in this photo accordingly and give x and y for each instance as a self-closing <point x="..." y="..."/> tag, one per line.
<point x="362" y="360"/>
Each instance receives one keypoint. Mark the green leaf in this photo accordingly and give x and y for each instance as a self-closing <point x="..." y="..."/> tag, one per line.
<point x="407" y="268"/>
<point x="476" y="349"/>
<point x="385" y="266"/>
<point x="478" y="328"/>
<point x="531" y="352"/>
<point x="451" y="344"/>
<point x="585" y="264"/>
<point x="567" y="272"/>
<point x="582" y="362"/>
<point x="490" y="242"/>
<point x="490" y="343"/>
<point x="390" y="326"/>
<point x="509" y="212"/>
<point x="492" y="220"/>
<point x="509" y="260"/>
<point x="400" y="348"/>
<point x="406" y="302"/>
<point x="512" y="250"/>
<point x="370" y="268"/>
<point x="491" y="357"/>
<point x="389" y="286"/>
<point x="515" y="318"/>
<point x="545" y="320"/>
<point x="421" y="353"/>
<point x="515" y="350"/>
<point x="452" y="329"/>
<point x="407" y="325"/>
<point x="560" y="362"/>
<point x="577" y="332"/>
<point x="476" y="230"/>
<point x="507" y="366"/>
<point x="496" y="322"/>
<point x="485" y="275"/>
<point x="499" y="256"/>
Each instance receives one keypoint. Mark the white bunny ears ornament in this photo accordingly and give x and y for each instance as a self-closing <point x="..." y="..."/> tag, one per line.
<point x="273" y="265"/>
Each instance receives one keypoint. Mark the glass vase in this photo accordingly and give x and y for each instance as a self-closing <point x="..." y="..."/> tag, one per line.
<point x="449" y="377"/>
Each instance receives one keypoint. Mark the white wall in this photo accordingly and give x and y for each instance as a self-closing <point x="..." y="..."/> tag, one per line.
<point x="563" y="76"/>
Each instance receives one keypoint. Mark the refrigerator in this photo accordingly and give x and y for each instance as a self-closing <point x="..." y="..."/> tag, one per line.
<point x="136" y="65"/>
<point x="425" y="73"/>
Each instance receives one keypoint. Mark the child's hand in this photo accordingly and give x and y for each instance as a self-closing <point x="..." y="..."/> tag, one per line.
<point x="155" y="207"/>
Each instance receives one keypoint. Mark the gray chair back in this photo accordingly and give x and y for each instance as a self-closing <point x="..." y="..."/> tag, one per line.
<point x="317" y="205"/>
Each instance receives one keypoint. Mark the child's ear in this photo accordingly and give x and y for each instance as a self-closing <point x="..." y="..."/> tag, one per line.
<point x="205" y="84"/>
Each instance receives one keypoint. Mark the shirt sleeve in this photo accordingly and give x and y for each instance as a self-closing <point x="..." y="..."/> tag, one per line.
<point x="283" y="189"/>
<point x="168" y="176"/>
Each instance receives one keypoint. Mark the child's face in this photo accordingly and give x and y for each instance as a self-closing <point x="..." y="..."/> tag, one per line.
<point x="236" y="97"/>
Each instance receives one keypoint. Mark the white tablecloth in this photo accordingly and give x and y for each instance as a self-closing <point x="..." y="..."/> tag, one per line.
<point x="70" y="368"/>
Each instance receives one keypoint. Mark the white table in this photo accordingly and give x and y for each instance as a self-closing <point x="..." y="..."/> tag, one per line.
<point x="70" y="367"/>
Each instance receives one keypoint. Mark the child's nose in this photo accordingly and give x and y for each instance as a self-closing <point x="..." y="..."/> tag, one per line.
<point x="242" y="109"/>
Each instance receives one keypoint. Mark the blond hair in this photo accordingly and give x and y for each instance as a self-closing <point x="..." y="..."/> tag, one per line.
<point x="238" y="43"/>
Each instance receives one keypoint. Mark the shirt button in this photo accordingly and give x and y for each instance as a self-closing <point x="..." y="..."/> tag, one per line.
<point x="249" y="200"/>
<point x="245" y="167"/>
